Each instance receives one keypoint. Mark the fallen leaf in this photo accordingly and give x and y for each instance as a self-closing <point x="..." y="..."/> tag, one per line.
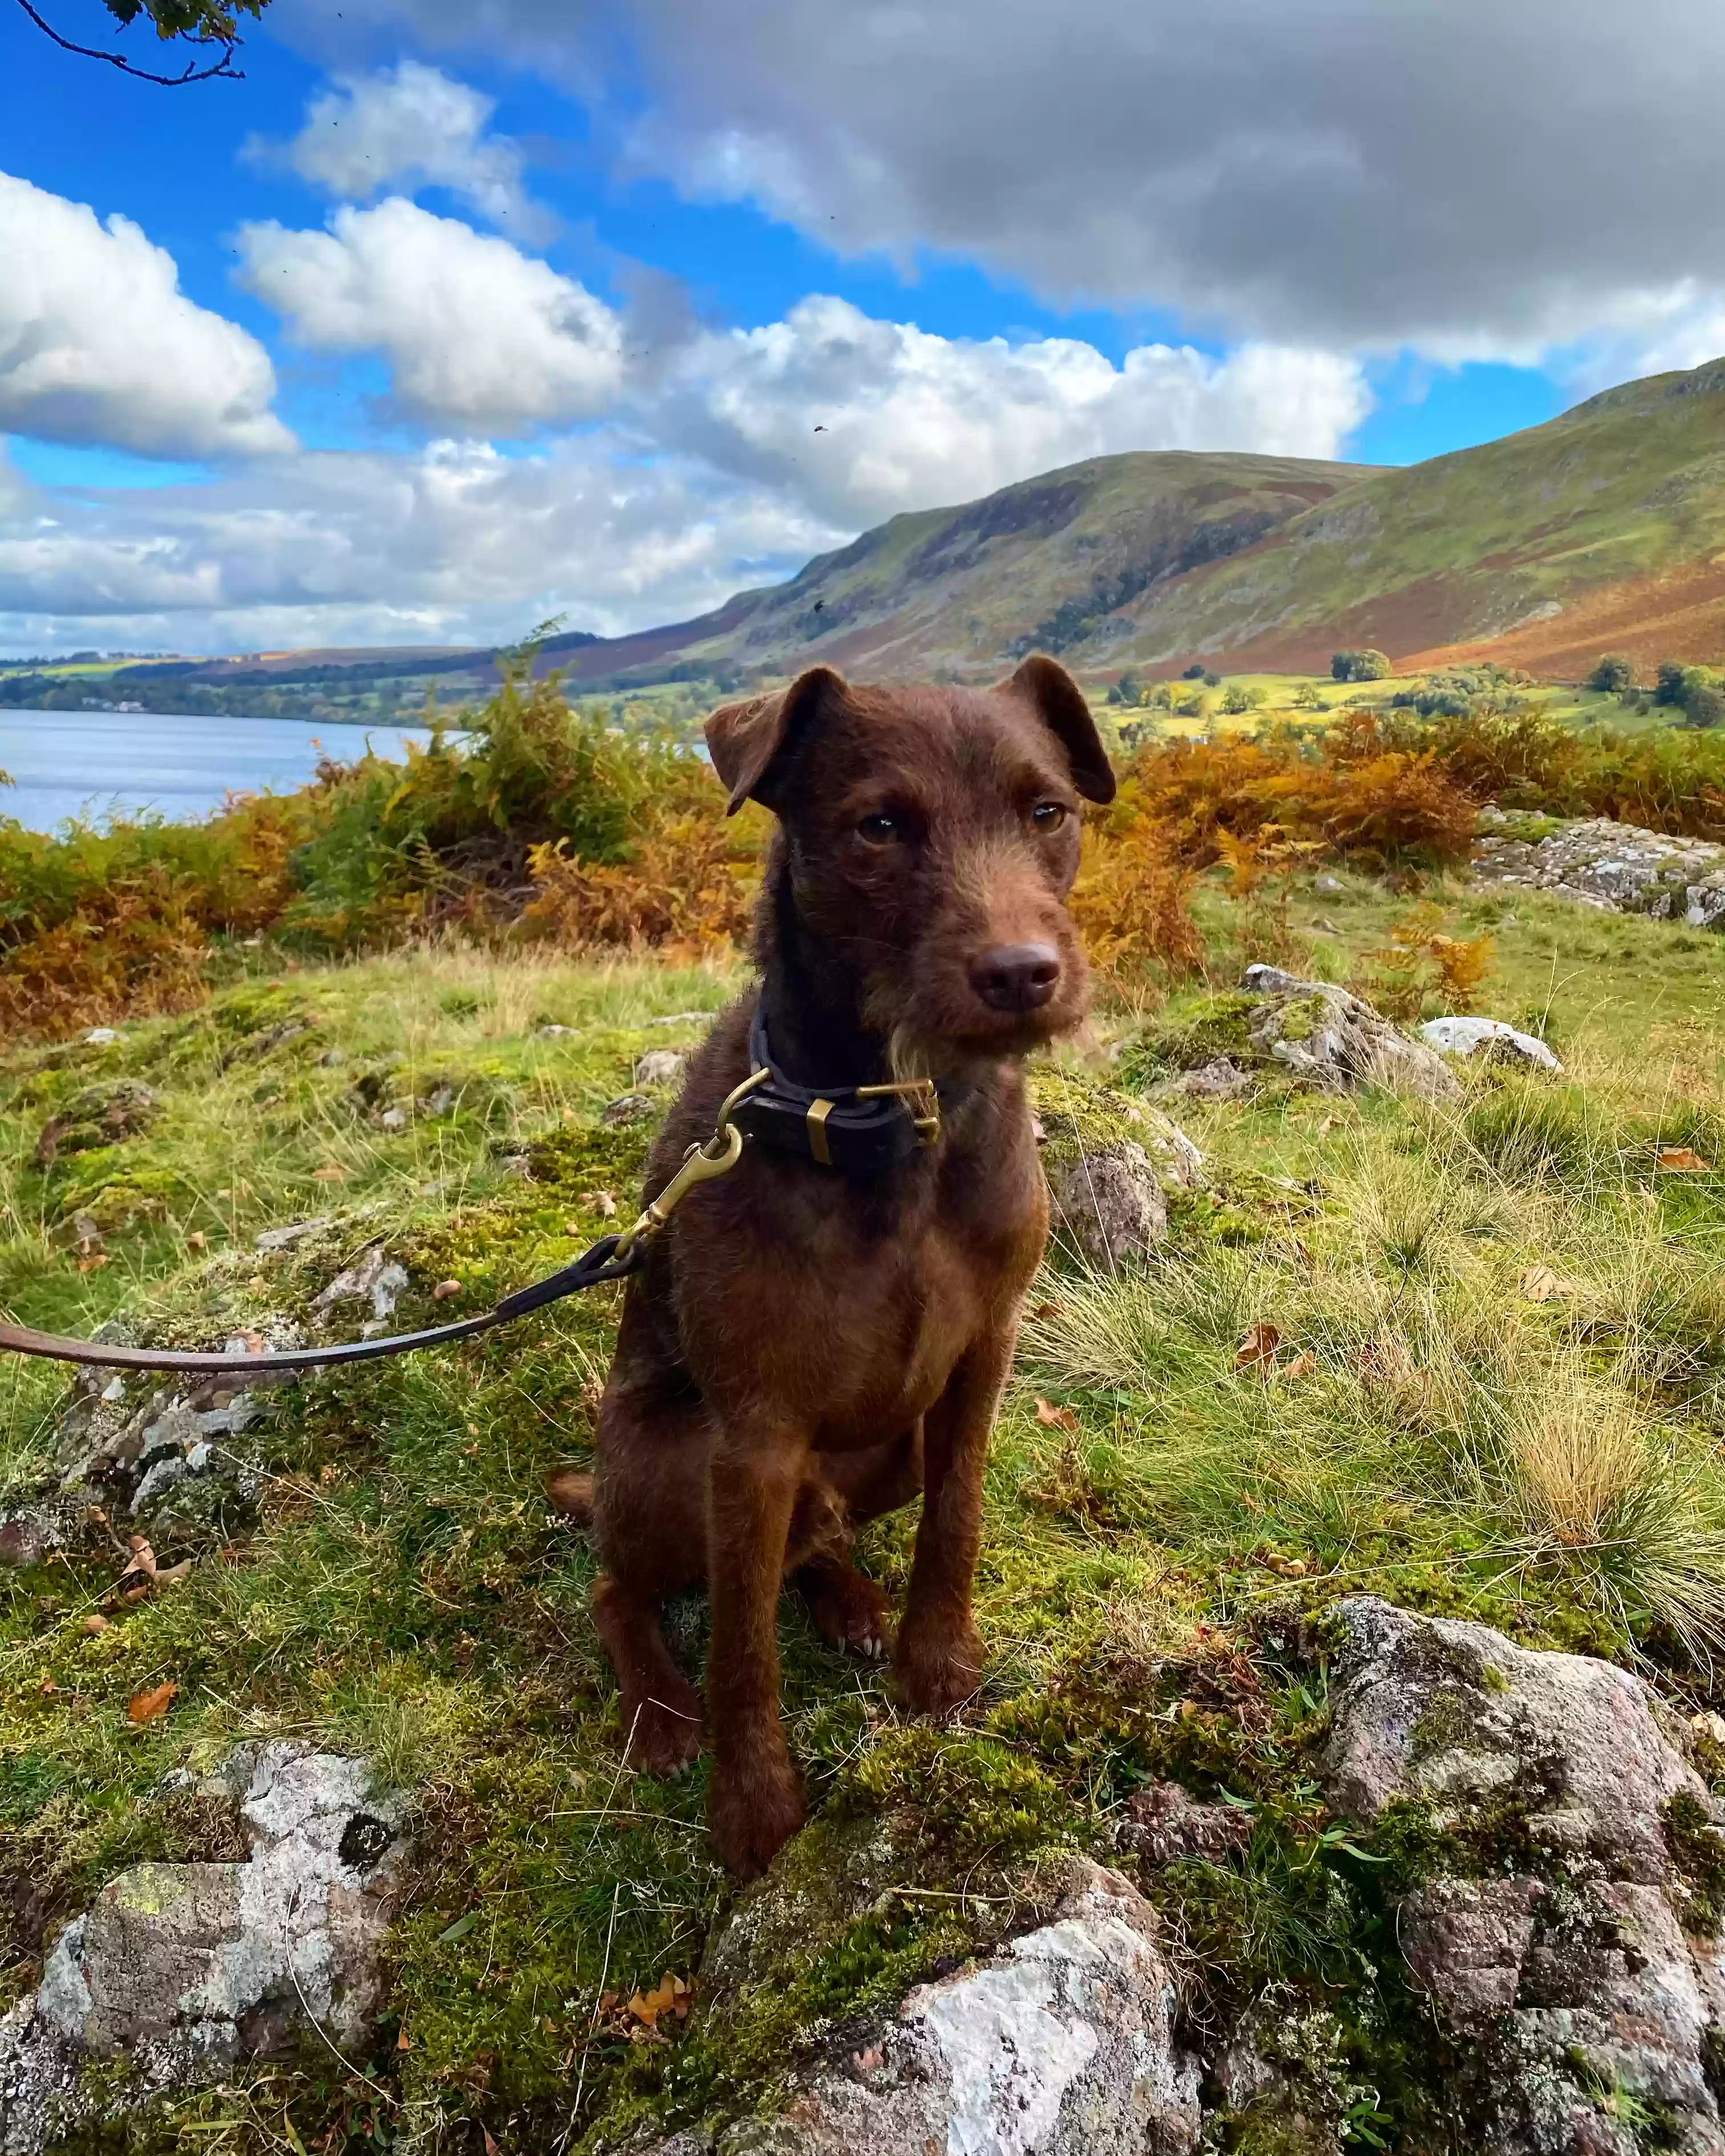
<point x="142" y="1558"/>
<point x="93" y="1623"/>
<point x="1258" y="1347"/>
<point x="1302" y="1366"/>
<point x="490" y="2145"/>
<point x="1046" y="1310"/>
<point x="1540" y="1284"/>
<point x="95" y="1264"/>
<point x="1681" y="1160"/>
<point x="147" y="1705"/>
<point x="1387" y="1363"/>
<point x="1710" y="1726"/>
<point x="1284" y="1567"/>
<point x="331" y="1171"/>
<point x="171" y="1575"/>
<point x="669" y="1995"/>
<point x="48" y="1683"/>
<point x="403" y="2042"/>
<point x="1053" y="1417"/>
<point x="445" y="1290"/>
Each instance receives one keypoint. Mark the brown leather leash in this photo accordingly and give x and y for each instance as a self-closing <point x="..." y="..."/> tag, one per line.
<point x="611" y="1258"/>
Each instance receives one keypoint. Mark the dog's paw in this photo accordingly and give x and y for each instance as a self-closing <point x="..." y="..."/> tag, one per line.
<point x="851" y="1613"/>
<point x="751" y="1818"/>
<point x="937" y="1673"/>
<point x="663" y="1736"/>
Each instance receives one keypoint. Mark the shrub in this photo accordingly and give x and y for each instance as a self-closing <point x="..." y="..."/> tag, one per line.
<point x="1613" y="672"/>
<point x="1132" y="899"/>
<point x="1368" y="665"/>
<point x="1235" y="699"/>
<point x="1668" y="682"/>
<point x="1704" y="706"/>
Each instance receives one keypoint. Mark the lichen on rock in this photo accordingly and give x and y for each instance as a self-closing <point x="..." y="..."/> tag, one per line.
<point x="180" y="1971"/>
<point x="1111" y="1162"/>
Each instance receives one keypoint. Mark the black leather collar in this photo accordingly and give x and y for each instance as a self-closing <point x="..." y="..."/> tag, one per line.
<point x="860" y="1130"/>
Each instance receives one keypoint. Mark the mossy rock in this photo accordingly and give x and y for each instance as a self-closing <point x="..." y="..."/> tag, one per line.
<point x="1082" y="1117"/>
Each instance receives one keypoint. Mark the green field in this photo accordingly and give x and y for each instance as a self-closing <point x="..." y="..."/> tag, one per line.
<point x="399" y="1587"/>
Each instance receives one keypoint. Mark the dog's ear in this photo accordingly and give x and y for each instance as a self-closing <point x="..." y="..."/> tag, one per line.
<point x="1060" y="706"/>
<point x="746" y="740"/>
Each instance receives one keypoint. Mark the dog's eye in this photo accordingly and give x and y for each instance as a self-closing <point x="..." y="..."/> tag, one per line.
<point x="1048" y="815"/>
<point x="879" y="830"/>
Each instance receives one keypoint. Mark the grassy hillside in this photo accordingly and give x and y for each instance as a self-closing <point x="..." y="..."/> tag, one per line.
<point x="1601" y="525"/>
<point x="395" y="1584"/>
<point x="1036" y="565"/>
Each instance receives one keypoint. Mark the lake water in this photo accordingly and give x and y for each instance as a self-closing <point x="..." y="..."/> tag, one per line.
<point x="75" y="763"/>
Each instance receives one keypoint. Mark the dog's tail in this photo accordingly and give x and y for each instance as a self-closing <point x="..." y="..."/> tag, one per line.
<point x="570" y="1491"/>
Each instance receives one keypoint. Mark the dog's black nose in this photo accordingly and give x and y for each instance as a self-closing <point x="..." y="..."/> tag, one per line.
<point x="1016" y="977"/>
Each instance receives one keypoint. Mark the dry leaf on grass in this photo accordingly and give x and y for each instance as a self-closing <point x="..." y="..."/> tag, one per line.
<point x="669" y="1997"/>
<point x="1540" y="1284"/>
<point x="1046" y="1310"/>
<point x="331" y="1171"/>
<point x="1053" y="1417"/>
<point x="1681" y="1160"/>
<point x="445" y="1290"/>
<point x="147" y="1705"/>
<point x="1258" y="1348"/>
<point x="1302" y="1365"/>
<point x="1387" y="1363"/>
<point x="1284" y="1567"/>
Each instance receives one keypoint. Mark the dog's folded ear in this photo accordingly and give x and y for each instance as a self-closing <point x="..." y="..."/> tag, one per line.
<point x="1059" y="704"/>
<point x="746" y="741"/>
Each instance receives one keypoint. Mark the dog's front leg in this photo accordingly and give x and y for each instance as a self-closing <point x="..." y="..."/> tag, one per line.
<point x="939" y="1655"/>
<point x="756" y="1801"/>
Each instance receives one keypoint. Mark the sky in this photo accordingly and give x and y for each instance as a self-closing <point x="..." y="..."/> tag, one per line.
<point x="454" y="316"/>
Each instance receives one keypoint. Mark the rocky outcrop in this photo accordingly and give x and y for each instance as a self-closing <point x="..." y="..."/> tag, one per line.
<point x="179" y="1972"/>
<point x="1487" y="1038"/>
<point x="1061" y="2043"/>
<point x="1277" y="1027"/>
<point x="1111" y="1165"/>
<point x="1565" y="1932"/>
<point x="1617" y="867"/>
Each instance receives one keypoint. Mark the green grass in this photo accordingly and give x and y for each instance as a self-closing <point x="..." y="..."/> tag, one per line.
<point x="400" y="1588"/>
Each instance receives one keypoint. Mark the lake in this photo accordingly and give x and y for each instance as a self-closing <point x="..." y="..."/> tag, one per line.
<point x="73" y="764"/>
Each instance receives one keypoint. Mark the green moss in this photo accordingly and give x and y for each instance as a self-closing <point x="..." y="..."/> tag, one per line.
<point x="1213" y="1028"/>
<point x="1696" y="1849"/>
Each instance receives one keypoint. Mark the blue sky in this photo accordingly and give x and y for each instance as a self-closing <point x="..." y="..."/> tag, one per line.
<point x="434" y="325"/>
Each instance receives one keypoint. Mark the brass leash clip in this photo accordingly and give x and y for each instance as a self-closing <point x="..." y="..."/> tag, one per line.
<point x="701" y="1164"/>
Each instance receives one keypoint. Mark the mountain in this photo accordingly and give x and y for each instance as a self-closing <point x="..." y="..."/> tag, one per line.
<point x="1045" y="564"/>
<point x="1603" y="529"/>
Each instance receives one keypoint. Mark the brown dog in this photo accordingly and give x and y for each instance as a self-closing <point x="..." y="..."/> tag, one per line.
<point x="816" y="1337"/>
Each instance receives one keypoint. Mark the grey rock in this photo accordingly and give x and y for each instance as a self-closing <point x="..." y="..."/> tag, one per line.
<point x="628" y="1108"/>
<point x="374" y="1277"/>
<point x="1458" y="1715"/>
<point x="1163" y="1824"/>
<point x="1331" y="887"/>
<point x="178" y="1971"/>
<point x="295" y="1231"/>
<point x="394" y="1119"/>
<point x="557" y="1032"/>
<point x="440" y="1101"/>
<point x="1617" y="868"/>
<point x="1568" y="1967"/>
<point x="1464" y="1036"/>
<point x="1061" y="2044"/>
<point x="682" y="1018"/>
<point x="101" y="1036"/>
<point x="661" y="1066"/>
<point x="1334" y="1040"/>
<point x="1220" y="1080"/>
<point x="1109" y="1204"/>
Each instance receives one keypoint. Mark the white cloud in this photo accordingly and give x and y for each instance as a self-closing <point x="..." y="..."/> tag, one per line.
<point x="457" y="543"/>
<point x="99" y="344"/>
<point x="408" y="127"/>
<point x="910" y="420"/>
<point x="1468" y="178"/>
<point x="478" y="334"/>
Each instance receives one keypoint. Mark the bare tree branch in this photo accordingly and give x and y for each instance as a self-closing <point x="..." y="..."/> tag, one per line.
<point x="224" y="67"/>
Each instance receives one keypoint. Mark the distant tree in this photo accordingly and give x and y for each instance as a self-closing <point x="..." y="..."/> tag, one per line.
<point x="1613" y="672"/>
<point x="1704" y="706"/>
<point x="1212" y="680"/>
<point x="1668" y="682"/>
<point x="1367" y="665"/>
<point x="1113" y="695"/>
<point x="1307" y="699"/>
<point x="210" y="29"/>
<point x="1194" y="672"/>
<point x="1235" y="699"/>
<point x="1127" y="686"/>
